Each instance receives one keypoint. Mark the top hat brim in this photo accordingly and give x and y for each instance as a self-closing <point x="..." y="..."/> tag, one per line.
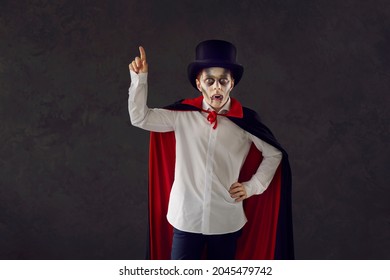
<point x="194" y="69"/>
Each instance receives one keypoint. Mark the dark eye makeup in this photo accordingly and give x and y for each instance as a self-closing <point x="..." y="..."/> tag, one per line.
<point x="211" y="81"/>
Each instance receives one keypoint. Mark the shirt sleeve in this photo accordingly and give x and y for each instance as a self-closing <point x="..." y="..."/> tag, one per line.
<point x="158" y="120"/>
<point x="266" y="171"/>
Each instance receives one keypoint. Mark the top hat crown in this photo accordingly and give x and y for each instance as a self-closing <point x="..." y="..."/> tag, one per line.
<point x="215" y="53"/>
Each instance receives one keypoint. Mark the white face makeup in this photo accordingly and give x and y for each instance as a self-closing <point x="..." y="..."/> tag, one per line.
<point x="215" y="84"/>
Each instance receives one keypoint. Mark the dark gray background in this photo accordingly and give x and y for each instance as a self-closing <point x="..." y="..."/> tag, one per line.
<point x="73" y="181"/>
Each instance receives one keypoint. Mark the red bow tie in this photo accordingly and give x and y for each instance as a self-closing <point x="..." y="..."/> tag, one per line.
<point x="212" y="117"/>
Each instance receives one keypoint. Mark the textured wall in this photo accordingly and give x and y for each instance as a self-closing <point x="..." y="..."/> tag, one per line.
<point x="73" y="171"/>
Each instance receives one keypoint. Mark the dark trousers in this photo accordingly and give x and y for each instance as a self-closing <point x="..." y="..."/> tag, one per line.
<point x="193" y="246"/>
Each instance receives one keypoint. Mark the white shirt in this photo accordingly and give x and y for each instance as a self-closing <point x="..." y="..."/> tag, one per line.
<point x="208" y="162"/>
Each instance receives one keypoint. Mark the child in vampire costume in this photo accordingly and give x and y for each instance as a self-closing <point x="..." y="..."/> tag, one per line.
<point x="219" y="182"/>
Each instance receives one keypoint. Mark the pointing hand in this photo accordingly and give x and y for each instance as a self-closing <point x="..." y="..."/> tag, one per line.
<point x="139" y="64"/>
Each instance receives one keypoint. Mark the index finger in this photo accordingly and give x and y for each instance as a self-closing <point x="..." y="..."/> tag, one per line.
<point x="143" y="53"/>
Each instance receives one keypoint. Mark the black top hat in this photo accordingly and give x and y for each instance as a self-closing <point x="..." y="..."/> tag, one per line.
<point x="215" y="53"/>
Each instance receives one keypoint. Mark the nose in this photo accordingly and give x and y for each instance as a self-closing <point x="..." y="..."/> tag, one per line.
<point x="217" y="85"/>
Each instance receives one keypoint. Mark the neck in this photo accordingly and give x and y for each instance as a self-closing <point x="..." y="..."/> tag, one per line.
<point x="218" y="109"/>
<point x="235" y="110"/>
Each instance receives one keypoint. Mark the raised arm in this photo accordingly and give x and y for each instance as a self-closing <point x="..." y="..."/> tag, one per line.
<point x="159" y="120"/>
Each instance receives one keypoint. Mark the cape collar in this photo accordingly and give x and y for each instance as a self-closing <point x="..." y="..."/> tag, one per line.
<point x="235" y="106"/>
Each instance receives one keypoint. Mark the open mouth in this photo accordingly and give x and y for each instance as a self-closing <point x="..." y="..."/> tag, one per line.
<point x="217" y="97"/>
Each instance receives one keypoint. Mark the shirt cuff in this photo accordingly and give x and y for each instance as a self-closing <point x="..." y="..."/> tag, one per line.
<point x="140" y="78"/>
<point x="253" y="187"/>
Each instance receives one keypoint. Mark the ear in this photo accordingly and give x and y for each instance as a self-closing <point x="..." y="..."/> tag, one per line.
<point x="198" y="85"/>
